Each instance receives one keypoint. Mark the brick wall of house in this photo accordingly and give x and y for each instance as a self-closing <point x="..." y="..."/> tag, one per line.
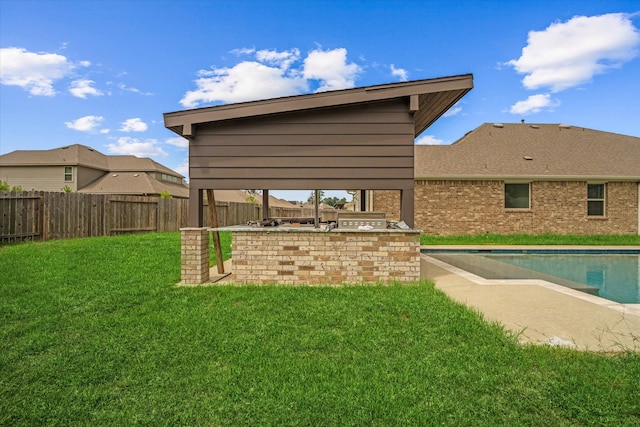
<point x="307" y="257"/>
<point x="387" y="201"/>
<point x="474" y="207"/>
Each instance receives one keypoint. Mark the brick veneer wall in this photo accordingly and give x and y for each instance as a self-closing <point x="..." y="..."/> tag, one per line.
<point x="308" y="257"/>
<point x="388" y="201"/>
<point x="194" y="257"/>
<point x="472" y="207"/>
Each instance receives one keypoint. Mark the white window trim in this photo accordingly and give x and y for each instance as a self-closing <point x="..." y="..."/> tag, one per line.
<point x="504" y="196"/>
<point x="603" y="200"/>
<point x="71" y="173"/>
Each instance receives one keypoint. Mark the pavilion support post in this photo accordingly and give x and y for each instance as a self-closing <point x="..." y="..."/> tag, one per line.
<point x="195" y="208"/>
<point x="266" y="214"/>
<point x="406" y="206"/>
<point x="316" y="209"/>
<point x="213" y="219"/>
<point x="363" y="200"/>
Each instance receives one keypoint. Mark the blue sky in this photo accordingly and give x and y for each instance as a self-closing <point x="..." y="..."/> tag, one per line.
<point x="101" y="73"/>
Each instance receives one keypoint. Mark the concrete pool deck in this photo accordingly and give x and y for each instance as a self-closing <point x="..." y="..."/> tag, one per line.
<point x="538" y="311"/>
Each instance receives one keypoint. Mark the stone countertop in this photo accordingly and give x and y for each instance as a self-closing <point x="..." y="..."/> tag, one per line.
<point x="308" y="229"/>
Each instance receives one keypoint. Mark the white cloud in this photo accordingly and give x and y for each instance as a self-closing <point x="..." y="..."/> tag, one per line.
<point x="246" y="81"/>
<point x="401" y="73"/>
<point x="331" y="68"/>
<point x="534" y="104"/>
<point x="34" y="72"/>
<point x="567" y="54"/>
<point x="86" y="123"/>
<point x="136" y="147"/>
<point x="243" y="51"/>
<point x="273" y="74"/>
<point x="183" y="168"/>
<point x="133" y="125"/>
<point x="453" y="111"/>
<point x="429" y="140"/>
<point x="82" y="88"/>
<point x="122" y="86"/>
<point x="178" y="142"/>
<point x="280" y="59"/>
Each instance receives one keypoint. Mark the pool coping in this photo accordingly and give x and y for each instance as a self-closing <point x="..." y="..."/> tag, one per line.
<point x="633" y="309"/>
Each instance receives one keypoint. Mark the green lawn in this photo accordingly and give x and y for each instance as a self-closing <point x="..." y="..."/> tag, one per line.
<point x="531" y="239"/>
<point x="94" y="332"/>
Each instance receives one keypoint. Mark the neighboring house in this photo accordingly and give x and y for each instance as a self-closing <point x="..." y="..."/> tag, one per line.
<point x="85" y="170"/>
<point x="526" y="178"/>
<point x="241" y="196"/>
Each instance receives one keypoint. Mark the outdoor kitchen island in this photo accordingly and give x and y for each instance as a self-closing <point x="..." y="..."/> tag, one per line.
<point x="307" y="255"/>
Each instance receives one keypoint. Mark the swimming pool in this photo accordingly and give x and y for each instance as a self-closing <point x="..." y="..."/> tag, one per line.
<point x="611" y="275"/>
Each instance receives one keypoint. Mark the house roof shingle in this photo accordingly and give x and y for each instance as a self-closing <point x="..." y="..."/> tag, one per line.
<point x="76" y="155"/>
<point x="135" y="183"/>
<point x="532" y="151"/>
<point x="240" y="196"/>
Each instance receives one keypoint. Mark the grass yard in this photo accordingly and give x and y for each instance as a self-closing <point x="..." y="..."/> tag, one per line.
<point x="532" y="239"/>
<point x="94" y="332"/>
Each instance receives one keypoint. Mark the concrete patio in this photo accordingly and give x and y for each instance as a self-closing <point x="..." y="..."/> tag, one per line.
<point x="542" y="312"/>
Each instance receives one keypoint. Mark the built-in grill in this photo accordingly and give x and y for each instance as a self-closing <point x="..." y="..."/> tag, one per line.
<point x="350" y="220"/>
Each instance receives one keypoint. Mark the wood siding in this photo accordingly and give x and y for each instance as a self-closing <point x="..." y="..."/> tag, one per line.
<point x="46" y="178"/>
<point x="83" y="176"/>
<point x="363" y="146"/>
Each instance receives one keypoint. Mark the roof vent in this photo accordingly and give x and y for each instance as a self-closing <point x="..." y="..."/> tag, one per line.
<point x="115" y="174"/>
<point x="528" y="158"/>
<point x="534" y="126"/>
<point x="136" y="174"/>
<point x="564" y="126"/>
<point x="498" y="125"/>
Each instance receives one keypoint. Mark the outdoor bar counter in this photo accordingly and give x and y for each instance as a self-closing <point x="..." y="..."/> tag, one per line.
<point x="306" y="255"/>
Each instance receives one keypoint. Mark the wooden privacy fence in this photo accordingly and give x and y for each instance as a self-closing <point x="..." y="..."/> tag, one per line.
<point x="41" y="215"/>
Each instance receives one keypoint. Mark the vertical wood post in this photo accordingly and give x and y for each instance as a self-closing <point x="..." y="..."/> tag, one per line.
<point x="406" y="206"/>
<point x="266" y="213"/>
<point x="213" y="219"/>
<point x="316" y="208"/>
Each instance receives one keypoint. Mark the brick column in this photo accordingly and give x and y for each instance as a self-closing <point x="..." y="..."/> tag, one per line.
<point x="194" y="255"/>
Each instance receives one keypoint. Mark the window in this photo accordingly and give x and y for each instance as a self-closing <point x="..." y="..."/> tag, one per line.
<point x="169" y="178"/>
<point x="595" y="199"/>
<point x="68" y="173"/>
<point x="516" y="196"/>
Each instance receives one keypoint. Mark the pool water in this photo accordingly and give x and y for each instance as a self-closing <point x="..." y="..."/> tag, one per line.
<point x="615" y="277"/>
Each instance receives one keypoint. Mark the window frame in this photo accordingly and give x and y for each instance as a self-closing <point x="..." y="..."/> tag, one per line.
<point x="516" y="208"/>
<point x="602" y="200"/>
<point x="68" y="174"/>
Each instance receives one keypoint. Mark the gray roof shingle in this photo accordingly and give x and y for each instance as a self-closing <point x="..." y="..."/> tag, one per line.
<point x="532" y="151"/>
